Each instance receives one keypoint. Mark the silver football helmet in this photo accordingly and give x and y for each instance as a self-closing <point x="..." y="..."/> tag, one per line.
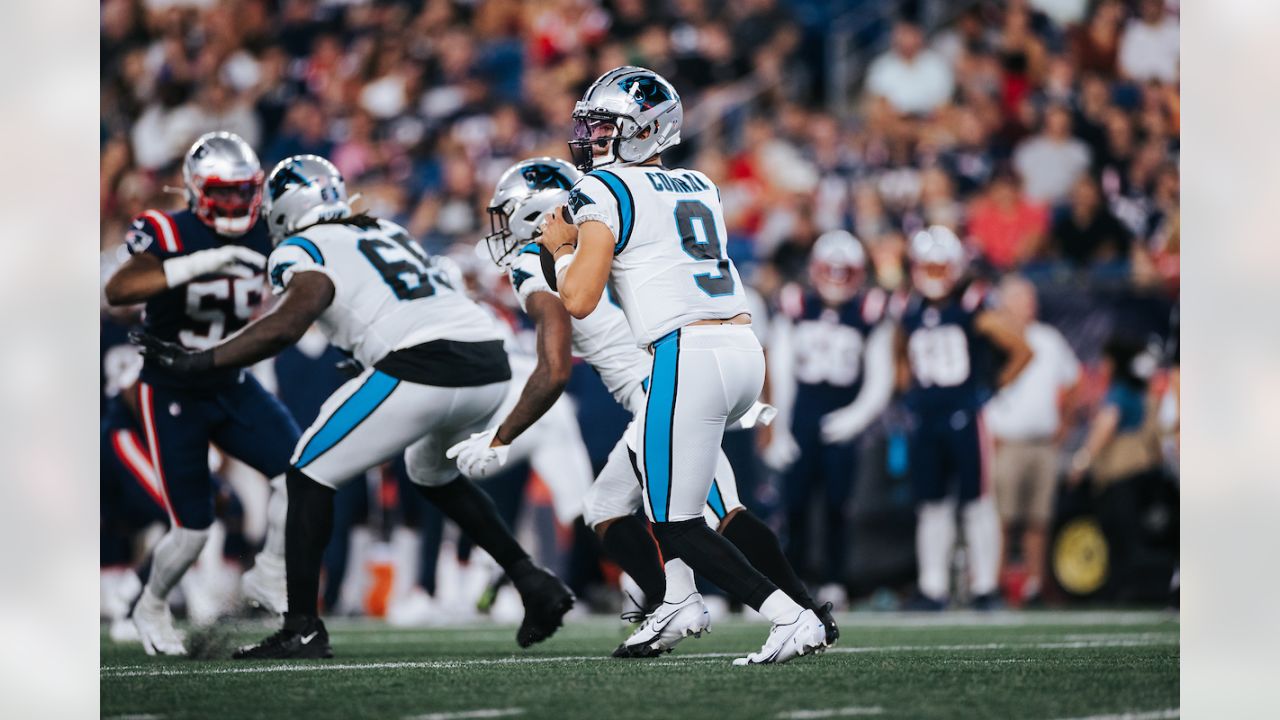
<point x="525" y="193"/>
<point x="627" y="116"/>
<point x="937" y="261"/>
<point x="222" y="181"/>
<point x="837" y="266"/>
<point x="301" y="191"/>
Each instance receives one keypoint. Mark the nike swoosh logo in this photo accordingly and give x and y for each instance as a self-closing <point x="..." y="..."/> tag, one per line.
<point x="308" y="638"/>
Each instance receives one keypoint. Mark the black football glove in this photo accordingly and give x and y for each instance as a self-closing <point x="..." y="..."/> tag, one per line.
<point x="172" y="356"/>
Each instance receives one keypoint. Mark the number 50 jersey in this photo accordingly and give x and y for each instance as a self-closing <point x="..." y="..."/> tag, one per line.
<point x="388" y="293"/>
<point x="670" y="267"/>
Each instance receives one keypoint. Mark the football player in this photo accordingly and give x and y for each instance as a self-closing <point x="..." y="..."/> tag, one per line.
<point x="941" y="329"/>
<point x="525" y="194"/>
<point x="656" y="237"/>
<point x="200" y="273"/>
<point x="837" y="350"/>
<point x="434" y="372"/>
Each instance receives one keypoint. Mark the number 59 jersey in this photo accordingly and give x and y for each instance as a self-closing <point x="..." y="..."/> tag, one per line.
<point x="670" y="267"/>
<point x="389" y="294"/>
<point x="201" y="313"/>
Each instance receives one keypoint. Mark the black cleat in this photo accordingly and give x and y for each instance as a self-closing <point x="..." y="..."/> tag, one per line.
<point x="988" y="601"/>
<point x="546" y="600"/>
<point x="829" y="623"/>
<point x="639" y="651"/>
<point x="304" y="640"/>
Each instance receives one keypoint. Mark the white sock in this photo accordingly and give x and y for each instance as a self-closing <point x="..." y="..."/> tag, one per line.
<point x="680" y="583"/>
<point x="780" y="608"/>
<point x="935" y="536"/>
<point x="982" y="536"/>
<point x="173" y="555"/>
<point x="277" y="509"/>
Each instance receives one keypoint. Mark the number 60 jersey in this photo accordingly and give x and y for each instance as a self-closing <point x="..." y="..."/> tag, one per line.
<point x="388" y="293"/>
<point x="670" y="267"/>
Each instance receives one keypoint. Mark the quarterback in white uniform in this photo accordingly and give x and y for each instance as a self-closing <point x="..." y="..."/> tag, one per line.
<point x="525" y="193"/>
<point x="654" y="236"/>
<point x="435" y="371"/>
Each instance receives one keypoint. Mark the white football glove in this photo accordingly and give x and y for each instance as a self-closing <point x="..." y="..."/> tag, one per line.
<point x="758" y="414"/>
<point x="476" y="458"/>
<point x="782" y="450"/>
<point x="235" y="260"/>
<point x="840" y="426"/>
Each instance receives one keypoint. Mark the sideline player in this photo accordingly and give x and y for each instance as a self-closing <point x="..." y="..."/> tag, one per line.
<point x="435" y="371"/>
<point x="654" y="235"/>
<point x="200" y="273"/>
<point x="836" y="347"/>
<point x="526" y="192"/>
<point x="942" y="326"/>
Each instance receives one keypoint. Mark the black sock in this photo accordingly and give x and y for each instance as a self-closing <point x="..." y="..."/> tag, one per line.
<point x="627" y="542"/>
<point x="474" y="512"/>
<point x="714" y="558"/>
<point x="758" y="543"/>
<point x="306" y="532"/>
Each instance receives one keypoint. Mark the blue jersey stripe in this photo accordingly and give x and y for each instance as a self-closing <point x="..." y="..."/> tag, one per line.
<point x="349" y="415"/>
<point x="626" y="206"/>
<point x="530" y="249"/>
<point x="659" y="424"/>
<point x="307" y="245"/>
<point x="716" y="500"/>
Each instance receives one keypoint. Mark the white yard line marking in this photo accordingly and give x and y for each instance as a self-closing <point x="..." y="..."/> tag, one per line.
<point x="829" y="713"/>
<point x="1102" y="641"/>
<point x="487" y="713"/>
<point x="1169" y="714"/>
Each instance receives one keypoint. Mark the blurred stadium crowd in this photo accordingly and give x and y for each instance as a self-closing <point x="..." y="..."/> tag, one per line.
<point x="1044" y="131"/>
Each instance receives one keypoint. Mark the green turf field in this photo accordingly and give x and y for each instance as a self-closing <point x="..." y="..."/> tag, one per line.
<point x="1119" y="666"/>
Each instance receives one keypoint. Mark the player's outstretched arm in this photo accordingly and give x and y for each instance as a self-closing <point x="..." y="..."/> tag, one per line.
<point x="144" y="275"/>
<point x="1007" y="339"/>
<point x="308" y="295"/>
<point x="550" y="375"/>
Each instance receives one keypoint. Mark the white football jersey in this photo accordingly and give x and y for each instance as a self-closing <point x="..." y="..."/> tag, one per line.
<point x="670" y="265"/>
<point x="388" y="293"/>
<point x="603" y="339"/>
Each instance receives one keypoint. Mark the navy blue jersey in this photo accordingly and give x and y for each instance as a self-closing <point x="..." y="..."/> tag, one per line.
<point x="943" y="350"/>
<point x="204" y="311"/>
<point x="828" y="342"/>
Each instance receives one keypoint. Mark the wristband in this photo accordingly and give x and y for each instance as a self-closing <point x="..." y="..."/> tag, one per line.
<point x="562" y="264"/>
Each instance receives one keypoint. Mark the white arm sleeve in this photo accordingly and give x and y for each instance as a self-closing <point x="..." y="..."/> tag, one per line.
<point x="877" y="389"/>
<point x="782" y="376"/>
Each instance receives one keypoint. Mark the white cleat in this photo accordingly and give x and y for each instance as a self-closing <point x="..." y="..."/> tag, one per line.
<point x="154" y="622"/>
<point x="263" y="585"/>
<point x="801" y="636"/>
<point x="666" y="627"/>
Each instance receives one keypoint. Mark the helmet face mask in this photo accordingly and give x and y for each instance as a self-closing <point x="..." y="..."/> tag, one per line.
<point x="525" y="193"/>
<point x="222" y="181"/>
<point x="627" y="116"/>
<point x="837" y="266"/>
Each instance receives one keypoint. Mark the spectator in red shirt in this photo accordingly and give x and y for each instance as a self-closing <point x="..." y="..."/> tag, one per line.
<point x="1007" y="228"/>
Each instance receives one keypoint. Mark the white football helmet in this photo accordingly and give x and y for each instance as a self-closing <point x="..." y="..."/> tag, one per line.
<point x="301" y="191"/>
<point x="525" y="193"/>
<point x="937" y="261"/>
<point x="222" y="181"/>
<point x="837" y="266"/>
<point x="611" y="119"/>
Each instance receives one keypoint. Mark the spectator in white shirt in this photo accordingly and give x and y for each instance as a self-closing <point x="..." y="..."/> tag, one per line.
<point x="1149" y="46"/>
<point x="914" y="80"/>
<point x="1051" y="162"/>
<point x="1026" y="420"/>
